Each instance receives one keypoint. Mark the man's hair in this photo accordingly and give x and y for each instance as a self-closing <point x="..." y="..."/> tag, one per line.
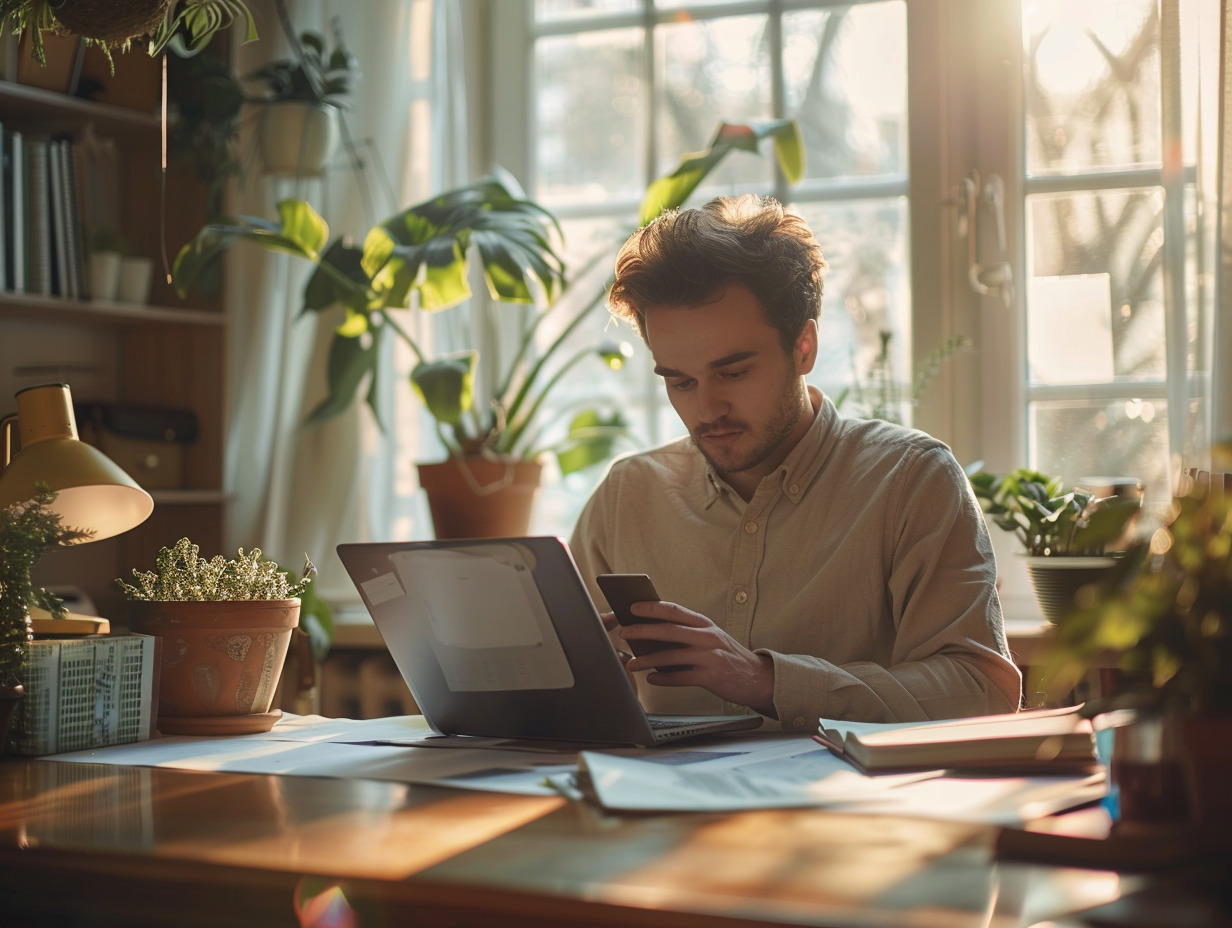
<point x="687" y="257"/>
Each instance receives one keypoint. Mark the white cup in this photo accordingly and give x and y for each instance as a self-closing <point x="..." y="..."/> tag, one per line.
<point x="135" y="277"/>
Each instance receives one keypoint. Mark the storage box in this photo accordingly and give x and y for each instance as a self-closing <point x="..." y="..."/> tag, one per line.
<point x="88" y="693"/>
<point x="148" y="442"/>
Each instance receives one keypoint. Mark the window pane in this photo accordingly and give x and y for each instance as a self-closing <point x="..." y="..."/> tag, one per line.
<point x="590" y="114"/>
<point x="1092" y="92"/>
<point x="712" y="71"/>
<point x="1107" y="438"/>
<point x="1094" y="290"/>
<point x="580" y="9"/>
<point x="845" y="80"/>
<point x="866" y="292"/>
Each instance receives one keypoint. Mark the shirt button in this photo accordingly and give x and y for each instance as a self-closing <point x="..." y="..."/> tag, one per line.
<point x="797" y="723"/>
<point x="742" y="597"/>
<point x="794" y="489"/>
<point x="750" y="528"/>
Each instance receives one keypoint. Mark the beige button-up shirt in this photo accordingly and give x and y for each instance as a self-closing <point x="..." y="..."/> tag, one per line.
<point x="862" y="566"/>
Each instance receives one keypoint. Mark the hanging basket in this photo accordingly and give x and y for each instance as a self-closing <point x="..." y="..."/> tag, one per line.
<point x="112" y="22"/>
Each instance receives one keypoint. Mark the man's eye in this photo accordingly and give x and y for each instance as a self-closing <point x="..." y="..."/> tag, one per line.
<point x="735" y="375"/>
<point x="680" y="384"/>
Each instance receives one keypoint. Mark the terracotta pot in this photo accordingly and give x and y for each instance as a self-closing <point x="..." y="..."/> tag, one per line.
<point x="219" y="662"/>
<point x="1147" y="771"/>
<point x="478" y="497"/>
<point x="10" y="701"/>
<point x="1206" y="755"/>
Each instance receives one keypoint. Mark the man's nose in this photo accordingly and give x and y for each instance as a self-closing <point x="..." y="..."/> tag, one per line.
<point x="712" y="403"/>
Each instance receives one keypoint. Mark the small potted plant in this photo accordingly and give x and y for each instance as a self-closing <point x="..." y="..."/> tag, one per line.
<point x="224" y="625"/>
<point x="421" y="257"/>
<point x="301" y="99"/>
<point x="1065" y="533"/>
<point x="27" y="530"/>
<point x="1166" y="616"/>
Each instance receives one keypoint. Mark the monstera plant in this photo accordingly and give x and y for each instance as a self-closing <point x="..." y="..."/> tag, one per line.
<point x="420" y="259"/>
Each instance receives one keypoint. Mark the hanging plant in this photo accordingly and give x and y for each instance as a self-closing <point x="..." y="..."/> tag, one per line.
<point x="116" y="24"/>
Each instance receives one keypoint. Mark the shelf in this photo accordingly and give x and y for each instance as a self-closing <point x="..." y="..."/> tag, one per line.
<point x="99" y="312"/>
<point x="51" y="111"/>
<point x="188" y="497"/>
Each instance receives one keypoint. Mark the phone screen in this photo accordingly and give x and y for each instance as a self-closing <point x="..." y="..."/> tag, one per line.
<point x="623" y="590"/>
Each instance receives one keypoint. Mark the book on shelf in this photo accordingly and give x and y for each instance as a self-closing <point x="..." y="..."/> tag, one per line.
<point x="73" y="236"/>
<point x="7" y="216"/>
<point x="18" y="201"/>
<point x="1034" y="740"/>
<point x="38" y="222"/>
<point x="61" y="284"/>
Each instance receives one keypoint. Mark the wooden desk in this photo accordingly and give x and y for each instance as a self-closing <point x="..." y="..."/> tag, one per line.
<point x="98" y="845"/>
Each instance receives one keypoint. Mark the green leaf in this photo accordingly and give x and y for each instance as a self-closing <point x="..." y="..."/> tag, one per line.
<point x="339" y="278"/>
<point x="447" y="386"/>
<point x="672" y="190"/>
<point x="300" y="231"/>
<point x="350" y="361"/>
<point x="591" y="440"/>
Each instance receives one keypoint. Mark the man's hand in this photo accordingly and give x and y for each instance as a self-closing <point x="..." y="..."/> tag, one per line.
<point x="715" y="660"/>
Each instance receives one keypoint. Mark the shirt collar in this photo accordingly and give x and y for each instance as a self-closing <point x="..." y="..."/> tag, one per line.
<point x="802" y="462"/>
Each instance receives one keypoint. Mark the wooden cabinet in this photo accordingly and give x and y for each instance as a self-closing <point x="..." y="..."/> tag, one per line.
<point x="167" y="352"/>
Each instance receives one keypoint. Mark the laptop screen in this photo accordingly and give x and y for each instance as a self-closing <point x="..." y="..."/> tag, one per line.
<point x="497" y="637"/>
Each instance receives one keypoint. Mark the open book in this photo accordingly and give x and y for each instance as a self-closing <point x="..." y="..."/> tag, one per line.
<point x="1035" y="740"/>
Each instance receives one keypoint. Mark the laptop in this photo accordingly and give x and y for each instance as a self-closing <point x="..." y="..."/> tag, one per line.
<point x="498" y="638"/>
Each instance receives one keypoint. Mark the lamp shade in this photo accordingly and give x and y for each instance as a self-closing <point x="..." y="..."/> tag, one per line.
<point x="93" y="493"/>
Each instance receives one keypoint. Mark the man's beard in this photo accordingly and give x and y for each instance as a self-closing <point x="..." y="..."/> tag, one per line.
<point x="770" y="437"/>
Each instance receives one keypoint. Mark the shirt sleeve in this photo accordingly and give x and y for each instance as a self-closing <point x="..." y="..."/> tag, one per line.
<point x="949" y="657"/>
<point x="587" y="543"/>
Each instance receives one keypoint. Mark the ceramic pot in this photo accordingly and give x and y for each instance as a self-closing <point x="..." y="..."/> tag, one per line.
<point x="1057" y="580"/>
<point x="297" y="139"/>
<point x="219" y="662"/>
<point x="480" y="497"/>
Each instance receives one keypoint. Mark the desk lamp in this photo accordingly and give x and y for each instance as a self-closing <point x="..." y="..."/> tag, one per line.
<point x="93" y="494"/>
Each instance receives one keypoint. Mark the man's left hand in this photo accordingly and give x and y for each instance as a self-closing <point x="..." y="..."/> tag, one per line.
<point x="712" y="658"/>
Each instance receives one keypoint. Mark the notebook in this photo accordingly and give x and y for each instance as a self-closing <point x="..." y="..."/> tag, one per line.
<point x="499" y="638"/>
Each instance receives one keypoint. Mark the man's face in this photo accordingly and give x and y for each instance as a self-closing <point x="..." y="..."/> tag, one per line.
<point x="740" y="395"/>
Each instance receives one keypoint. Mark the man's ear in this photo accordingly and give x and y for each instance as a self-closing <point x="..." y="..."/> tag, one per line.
<point x="805" y="351"/>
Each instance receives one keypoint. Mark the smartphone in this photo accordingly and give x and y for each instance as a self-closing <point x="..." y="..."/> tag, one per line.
<point x="621" y="592"/>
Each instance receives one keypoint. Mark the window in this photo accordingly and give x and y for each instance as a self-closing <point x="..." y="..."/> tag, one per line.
<point x="617" y="92"/>
<point x="1024" y="174"/>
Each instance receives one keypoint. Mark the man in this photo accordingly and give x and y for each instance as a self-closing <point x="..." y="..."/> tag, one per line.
<point x="810" y="566"/>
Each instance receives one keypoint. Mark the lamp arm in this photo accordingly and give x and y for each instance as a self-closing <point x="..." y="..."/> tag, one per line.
<point x="7" y="425"/>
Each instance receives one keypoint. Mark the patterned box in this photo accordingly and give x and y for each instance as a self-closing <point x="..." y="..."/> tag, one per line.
<point x="87" y="693"/>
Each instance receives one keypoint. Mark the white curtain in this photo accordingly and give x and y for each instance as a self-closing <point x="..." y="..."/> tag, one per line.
<point x="1222" y="336"/>
<point x="297" y="489"/>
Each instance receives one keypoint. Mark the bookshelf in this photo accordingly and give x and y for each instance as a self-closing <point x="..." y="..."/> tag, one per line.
<point x="166" y="352"/>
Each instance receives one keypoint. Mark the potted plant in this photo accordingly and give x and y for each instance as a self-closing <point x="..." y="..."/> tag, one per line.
<point x="301" y="98"/>
<point x="421" y="256"/>
<point x="1065" y="533"/>
<point x="1166" y="614"/>
<point x="879" y="395"/>
<point x="223" y="626"/>
<point x="27" y="530"/>
<point x="114" y="24"/>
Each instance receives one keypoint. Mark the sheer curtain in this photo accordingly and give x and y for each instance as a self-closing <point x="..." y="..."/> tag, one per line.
<point x="293" y="488"/>
<point x="1222" y="387"/>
